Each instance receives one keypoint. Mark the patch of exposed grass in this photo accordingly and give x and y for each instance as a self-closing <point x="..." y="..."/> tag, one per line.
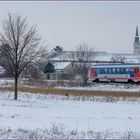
<point x="66" y="92"/>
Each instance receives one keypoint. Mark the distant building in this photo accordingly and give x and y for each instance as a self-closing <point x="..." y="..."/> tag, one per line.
<point x="136" y="43"/>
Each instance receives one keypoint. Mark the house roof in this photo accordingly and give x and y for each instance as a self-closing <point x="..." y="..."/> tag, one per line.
<point x="100" y="56"/>
<point x="61" y="65"/>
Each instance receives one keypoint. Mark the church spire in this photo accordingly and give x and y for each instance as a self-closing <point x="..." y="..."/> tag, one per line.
<point x="137" y="34"/>
<point x="136" y="43"/>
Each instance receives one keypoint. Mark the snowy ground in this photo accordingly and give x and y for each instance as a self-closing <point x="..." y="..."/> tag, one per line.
<point x="55" y="116"/>
<point x="49" y="116"/>
<point x="109" y="87"/>
<point x="6" y="81"/>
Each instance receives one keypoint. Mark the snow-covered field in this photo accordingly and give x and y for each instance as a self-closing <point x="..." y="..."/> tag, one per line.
<point x="55" y="116"/>
<point x="69" y="117"/>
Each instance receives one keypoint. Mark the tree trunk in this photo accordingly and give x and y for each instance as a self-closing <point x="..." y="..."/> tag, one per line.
<point x="84" y="75"/>
<point x="48" y="76"/>
<point x="85" y="81"/>
<point x="16" y="87"/>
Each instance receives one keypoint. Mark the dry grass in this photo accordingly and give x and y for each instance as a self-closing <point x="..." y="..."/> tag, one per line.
<point x="58" y="91"/>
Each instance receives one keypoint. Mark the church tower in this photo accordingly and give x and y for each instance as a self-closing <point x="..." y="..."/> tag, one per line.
<point x="136" y="43"/>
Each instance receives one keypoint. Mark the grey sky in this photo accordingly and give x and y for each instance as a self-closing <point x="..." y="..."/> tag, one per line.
<point x="108" y="26"/>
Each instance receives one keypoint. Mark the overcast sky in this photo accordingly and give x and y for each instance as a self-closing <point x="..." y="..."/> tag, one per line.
<point x="107" y="26"/>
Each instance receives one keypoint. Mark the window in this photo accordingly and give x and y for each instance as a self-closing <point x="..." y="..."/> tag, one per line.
<point x="109" y="70"/>
<point x="117" y="70"/>
<point x="105" y="70"/>
<point x="127" y="69"/>
<point x="113" y="70"/>
<point x="98" y="70"/>
<point x="102" y="71"/>
<point x="122" y="70"/>
<point x="131" y="69"/>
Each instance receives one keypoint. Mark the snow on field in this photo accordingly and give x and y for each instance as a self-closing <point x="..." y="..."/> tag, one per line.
<point x="109" y="87"/>
<point x="4" y="81"/>
<point x="40" y="111"/>
<point x="71" y="117"/>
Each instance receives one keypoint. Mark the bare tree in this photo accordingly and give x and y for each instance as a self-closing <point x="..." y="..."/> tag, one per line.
<point x="20" y="46"/>
<point x="33" y="71"/>
<point x="83" y="55"/>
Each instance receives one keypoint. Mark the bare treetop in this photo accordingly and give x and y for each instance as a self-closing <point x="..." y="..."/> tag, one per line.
<point x="83" y="53"/>
<point x="23" y="40"/>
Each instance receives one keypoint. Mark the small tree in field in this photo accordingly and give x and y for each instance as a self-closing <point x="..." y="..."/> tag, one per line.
<point x="49" y="68"/>
<point x="83" y="55"/>
<point x="20" y="46"/>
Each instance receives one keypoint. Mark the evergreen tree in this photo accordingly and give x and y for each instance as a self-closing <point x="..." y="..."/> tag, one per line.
<point x="49" y="68"/>
<point x="58" y="49"/>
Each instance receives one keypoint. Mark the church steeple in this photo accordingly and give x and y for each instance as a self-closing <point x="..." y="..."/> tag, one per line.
<point x="136" y="42"/>
<point x="137" y="34"/>
<point x="137" y="37"/>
